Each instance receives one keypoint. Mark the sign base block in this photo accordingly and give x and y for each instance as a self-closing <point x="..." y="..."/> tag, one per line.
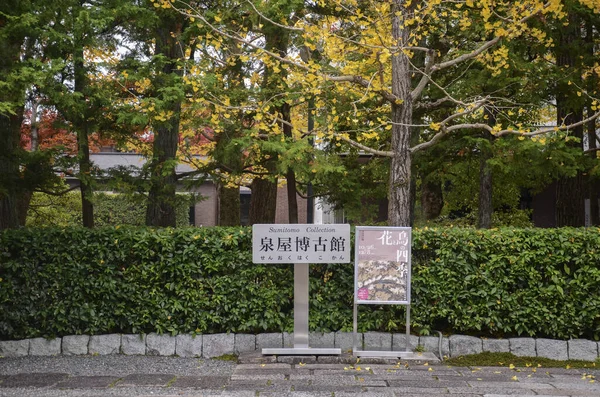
<point x="393" y="354"/>
<point x="302" y="351"/>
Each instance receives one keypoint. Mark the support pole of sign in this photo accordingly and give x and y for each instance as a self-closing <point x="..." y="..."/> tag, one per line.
<point x="300" y="245"/>
<point x="355" y="328"/>
<point x="301" y="319"/>
<point x="301" y="305"/>
<point x="407" y="328"/>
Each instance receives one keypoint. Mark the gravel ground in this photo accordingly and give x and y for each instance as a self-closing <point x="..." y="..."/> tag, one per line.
<point x="114" y="392"/>
<point x="115" y="365"/>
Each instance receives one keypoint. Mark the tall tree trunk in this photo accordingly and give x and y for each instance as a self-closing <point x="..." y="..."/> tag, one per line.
<point x="432" y="199"/>
<point x="160" y="210"/>
<point x="593" y="184"/>
<point x="81" y="125"/>
<point x="570" y="192"/>
<point x="263" y="201"/>
<point x="400" y="170"/>
<point x="10" y="124"/>
<point x="290" y="175"/>
<point x="485" y="209"/>
<point x="485" y="206"/>
<point x="229" y="206"/>
<point x="85" y="177"/>
<point x="27" y="194"/>
<point x="264" y="191"/>
<point x="593" y="82"/>
<point x="10" y="127"/>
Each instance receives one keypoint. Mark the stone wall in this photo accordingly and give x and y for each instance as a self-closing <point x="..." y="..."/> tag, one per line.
<point x="208" y="346"/>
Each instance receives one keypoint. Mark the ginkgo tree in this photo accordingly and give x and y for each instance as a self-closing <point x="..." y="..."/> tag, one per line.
<point x="385" y="50"/>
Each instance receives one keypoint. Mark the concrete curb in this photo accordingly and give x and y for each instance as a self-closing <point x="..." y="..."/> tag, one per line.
<point x="208" y="346"/>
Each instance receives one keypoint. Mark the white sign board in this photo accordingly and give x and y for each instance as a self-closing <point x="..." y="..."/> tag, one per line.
<point x="382" y="265"/>
<point x="299" y="243"/>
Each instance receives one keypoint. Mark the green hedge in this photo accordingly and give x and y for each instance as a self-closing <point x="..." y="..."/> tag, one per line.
<point x="110" y="209"/>
<point x="542" y="282"/>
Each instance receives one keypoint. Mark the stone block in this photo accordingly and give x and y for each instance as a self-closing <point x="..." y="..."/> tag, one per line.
<point x="496" y="345"/>
<point x="399" y="342"/>
<point x="188" y="345"/>
<point x="582" y="349"/>
<point x="321" y="339"/>
<point x="44" y="347"/>
<point x="288" y="339"/>
<point x="160" y="345"/>
<point x="133" y="344"/>
<point x="343" y="340"/>
<point x="462" y="345"/>
<point x="217" y="345"/>
<point x="377" y="341"/>
<point x="105" y="344"/>
<point x="551" y="348"/>
<point x="244" y="343"/>
<point x="273" y="340"/>
<point x="522" y="347"/>
<point x="14" y="348"/>
<point x="431" y="344"/>
<point x="297" y="359"/>
<point x="75" y="345"/>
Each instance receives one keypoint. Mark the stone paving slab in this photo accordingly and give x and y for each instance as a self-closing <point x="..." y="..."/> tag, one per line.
<point x="492" y="390"/>
<point x="570" y="392"/>
<point x="324" y="366"/>
<point x="258" y="377"/>
<point x="32" y="380"/>
<point x="370" y="393"/>
<point x="427" y="383"/>
<point x="582" y="385"/>
<point x="425" y="391"/>
<point x="512" y="384"/>
<point x="297" y="359"/>
<point x="295" y="394"/>
<point x="257" y="387"/>
<point x="146" y="380"/>
<point x="87" y="382"/>
<point x="281" y="380"/>
<point x="201" y="382"/>
<point x="319" y="388"/>
<point x="274" y="371"/>
<point x="263" y="366"/>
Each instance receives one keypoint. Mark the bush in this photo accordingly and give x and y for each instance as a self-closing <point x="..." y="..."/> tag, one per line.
<point x="109" y="210"/>
<point x="53" y="282"/>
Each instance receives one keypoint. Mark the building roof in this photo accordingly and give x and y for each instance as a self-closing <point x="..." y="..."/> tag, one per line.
<point x="107" y="160"/>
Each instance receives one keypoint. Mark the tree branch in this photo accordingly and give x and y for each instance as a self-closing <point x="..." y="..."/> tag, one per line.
<point x="263" y="16"/>
<point x="484" y="47"/>
<point x="382" y="153"/>
<point x="429" y="59"/>
<point x="359" y="80"/>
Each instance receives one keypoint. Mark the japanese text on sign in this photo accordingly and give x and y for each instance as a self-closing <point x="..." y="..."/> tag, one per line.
<point x="301" y="243"/>
<point x="382" y="272"/>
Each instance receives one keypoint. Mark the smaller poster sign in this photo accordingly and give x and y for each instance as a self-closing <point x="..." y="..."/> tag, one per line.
<point x="382" y="265"/>
<point x="301" y="243"/>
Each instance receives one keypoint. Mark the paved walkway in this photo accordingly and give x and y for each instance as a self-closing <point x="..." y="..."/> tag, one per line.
<point x="162" y="376"/>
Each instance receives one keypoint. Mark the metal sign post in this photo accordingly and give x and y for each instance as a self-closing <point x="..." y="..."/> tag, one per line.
<point x="382" y="276"/>
<point x="301" y="245"/>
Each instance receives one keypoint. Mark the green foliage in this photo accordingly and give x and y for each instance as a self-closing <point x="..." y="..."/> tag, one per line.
<point x="542" y="282"/>
<point x="109" y="210"/>
<point x="521" y="364"/>
<point x="504" y="218"/>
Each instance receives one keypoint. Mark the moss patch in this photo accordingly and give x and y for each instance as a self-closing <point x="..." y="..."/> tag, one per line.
<point x="226" y="357"/>
<point x="507" y="359"/>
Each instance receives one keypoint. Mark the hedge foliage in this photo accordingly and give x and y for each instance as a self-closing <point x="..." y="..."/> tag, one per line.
<point x="53" y="282"/>
<point x="109" y="210"/>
